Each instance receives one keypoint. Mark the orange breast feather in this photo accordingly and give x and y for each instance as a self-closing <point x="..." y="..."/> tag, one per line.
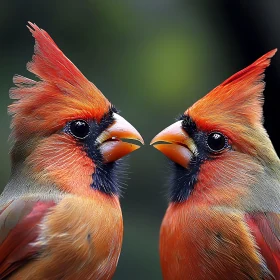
<point x="79" y="238"/>
<point x="197" y="242"/>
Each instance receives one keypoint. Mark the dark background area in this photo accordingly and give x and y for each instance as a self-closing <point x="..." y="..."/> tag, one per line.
<point x="152" y="59"/>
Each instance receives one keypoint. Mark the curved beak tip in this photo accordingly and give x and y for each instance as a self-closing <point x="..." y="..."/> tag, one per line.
<point x="112" y="146"/>
<point x="172" y="133"/>
<point x="173" y="142"/>
<point x="140" y="139"/>
<point x="121" y="128"/>
<point x="153" y="140"/>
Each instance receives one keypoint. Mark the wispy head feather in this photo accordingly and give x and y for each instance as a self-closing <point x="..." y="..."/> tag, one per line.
<point x="239" y="98"/>
<point x="63" y="93"/>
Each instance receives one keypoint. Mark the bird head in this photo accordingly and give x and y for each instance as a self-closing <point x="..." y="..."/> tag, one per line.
<point x="65" y="130"/>
<point x="221" y="150"/>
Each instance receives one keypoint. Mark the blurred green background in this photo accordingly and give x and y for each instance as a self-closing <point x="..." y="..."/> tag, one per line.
<point x="152" y="59"/>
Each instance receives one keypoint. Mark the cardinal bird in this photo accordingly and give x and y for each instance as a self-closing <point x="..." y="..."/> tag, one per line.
<point x="60" y="216"/>
<point x="223" y="219"/>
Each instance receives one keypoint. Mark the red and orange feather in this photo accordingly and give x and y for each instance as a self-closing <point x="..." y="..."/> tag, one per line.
<point x="61" y="94"/>
<point x="54" y="220"/>
<point x="228" y="226"/>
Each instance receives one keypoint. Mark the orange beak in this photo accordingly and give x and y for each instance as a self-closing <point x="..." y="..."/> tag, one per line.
<point x="111" y="145"/>
<point x="177" y="146"/>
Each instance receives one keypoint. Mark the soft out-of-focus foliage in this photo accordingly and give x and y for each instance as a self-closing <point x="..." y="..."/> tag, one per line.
<point x="152" y="59"/>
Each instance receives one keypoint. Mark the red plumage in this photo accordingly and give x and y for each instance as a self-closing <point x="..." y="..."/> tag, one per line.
<point x="19" y="231"/>
<point x="61" y="94"/>
<point x="223" y="218"/>
<point x="60" y="215"/>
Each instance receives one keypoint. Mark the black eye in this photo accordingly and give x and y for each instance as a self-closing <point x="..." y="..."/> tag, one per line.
<point x="79" y="128"/>
<point x="216" y="141"/>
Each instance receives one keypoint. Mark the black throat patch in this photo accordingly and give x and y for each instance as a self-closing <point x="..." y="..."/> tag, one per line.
<point x="106" y="175"/>
<point x="183" y="180"/>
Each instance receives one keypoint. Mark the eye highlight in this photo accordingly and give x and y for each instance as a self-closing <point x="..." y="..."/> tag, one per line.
<point x="217" y="142"/>
<point x="79" y="129"/>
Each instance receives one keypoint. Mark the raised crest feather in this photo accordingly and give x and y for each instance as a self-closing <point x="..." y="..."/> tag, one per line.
<point x="63" y="93"/>
<point x="253" y="71"/>
<point x="238" y="100"/>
